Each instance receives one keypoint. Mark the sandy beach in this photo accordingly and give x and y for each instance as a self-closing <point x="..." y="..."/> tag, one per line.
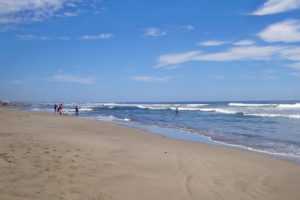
<point x="45" y="156"/>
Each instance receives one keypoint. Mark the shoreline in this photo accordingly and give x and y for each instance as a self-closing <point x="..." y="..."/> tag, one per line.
<point x="45" y="156"/>
<point x="208" y="141"/>
<point x="203" y="139"/>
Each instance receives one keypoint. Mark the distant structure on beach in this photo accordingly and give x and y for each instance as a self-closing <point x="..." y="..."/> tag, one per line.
<point x="5" y="103"/>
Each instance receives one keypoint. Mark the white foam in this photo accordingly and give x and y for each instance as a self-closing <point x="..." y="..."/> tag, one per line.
<point x="109" y="118"/>
<point x="196" y="105"/>
<point x="250" y="105"/>
<point x="184" y="108"/>
<point x="296" y="105"/>
<point x="85" y="109"/>
<point x="219" y="110"/>
<point x="152" y="107"/>
<point x="274" y="115"/>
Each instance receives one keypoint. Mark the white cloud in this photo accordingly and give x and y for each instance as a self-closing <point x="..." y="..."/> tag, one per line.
<point x="85" y="37"/>
<point x="277" y="6"/>
<point x="19" y="11"/>
<point x="13" y="6"/>
<point x="33" y="37"/>
<point x="70" y="4"/>
<point x="243" y="53"/>
<point x="152" y="78"/>
<point x="173" y="59"/>
<point x="244" y="42"/>
<point x="154" y="32"/>
<point x="97" y="37"/>
<point x="291" y="53"/>
<point x="187" y="27"/>
<point x="212" y="43"/>
<point x="7" y="27"/>
<point x="72" y="79"/>
<point x="69" y="14"/>
<point x="286" y="31"/>
<point x="294" y="65"/>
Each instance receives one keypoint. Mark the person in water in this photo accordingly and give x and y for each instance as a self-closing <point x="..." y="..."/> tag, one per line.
<point x="76" y="110"/>
<point x="177" y="111"/>
<point x="60" y="108"/>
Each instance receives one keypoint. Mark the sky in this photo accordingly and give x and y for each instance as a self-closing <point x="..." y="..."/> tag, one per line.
<point x="149" y="50"/>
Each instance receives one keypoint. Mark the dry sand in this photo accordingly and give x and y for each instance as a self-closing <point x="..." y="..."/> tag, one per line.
<point x="44" y="156"/>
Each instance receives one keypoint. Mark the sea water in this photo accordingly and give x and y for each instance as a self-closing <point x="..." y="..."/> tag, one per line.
<point x="271" y="127"/>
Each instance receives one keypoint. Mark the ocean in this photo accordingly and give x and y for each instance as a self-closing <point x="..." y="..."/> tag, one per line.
<point x="269" y="127"/>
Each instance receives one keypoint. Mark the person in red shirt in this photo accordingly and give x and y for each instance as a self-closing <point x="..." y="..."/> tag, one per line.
<point x="60" y="108"/>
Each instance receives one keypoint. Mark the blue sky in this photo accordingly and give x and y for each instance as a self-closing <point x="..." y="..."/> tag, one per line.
<point x="149" y="50"/>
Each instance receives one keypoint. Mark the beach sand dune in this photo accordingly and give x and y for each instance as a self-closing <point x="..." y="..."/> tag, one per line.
<point x="45" y="156"/>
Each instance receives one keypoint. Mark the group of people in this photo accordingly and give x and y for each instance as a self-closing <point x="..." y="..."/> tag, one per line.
<point x="58" y="109"/>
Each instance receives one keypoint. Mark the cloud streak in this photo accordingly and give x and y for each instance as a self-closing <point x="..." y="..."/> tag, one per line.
<point x="154" y="32"/>
<point x="244" y="42"/>
<point x="187" y="28"/>
<point x="97" y="37"/>
<point x="32" y="37"/>
<point x="287" y="31"/>
<point x="243" y="53"/>
<point x="72" y="79"/>
<point x="27" y="11"/>
<point x="173" y="59"/>
<point x="277" y="6"/>
<point x="152" y="78"/>
<point x="212" y="43"/>
<point x="102" y="36"/>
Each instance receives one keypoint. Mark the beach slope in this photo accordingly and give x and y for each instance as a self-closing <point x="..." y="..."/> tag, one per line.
<point x="45" y="156"/>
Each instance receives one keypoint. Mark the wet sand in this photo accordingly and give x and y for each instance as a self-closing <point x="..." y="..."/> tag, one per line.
<point x="45" y="156"/>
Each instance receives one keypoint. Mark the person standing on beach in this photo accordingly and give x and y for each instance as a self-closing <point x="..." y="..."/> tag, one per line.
<point x="55" y="108"/>
<point x="60" y="109"/>
<point x="76" y="110"/>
